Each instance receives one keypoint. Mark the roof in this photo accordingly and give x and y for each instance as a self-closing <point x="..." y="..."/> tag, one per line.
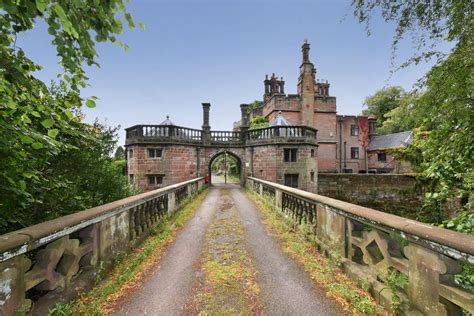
<point x="279" y="121"/>
<point x="167" y="121"/>
<point x="390" y="141"/>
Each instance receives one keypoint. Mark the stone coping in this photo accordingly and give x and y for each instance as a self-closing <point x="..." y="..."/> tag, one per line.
<point x="439" y="239"/>
<point x="23" y="240"/>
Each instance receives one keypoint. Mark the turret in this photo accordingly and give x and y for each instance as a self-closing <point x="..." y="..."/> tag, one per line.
<point x="307" y="86"/>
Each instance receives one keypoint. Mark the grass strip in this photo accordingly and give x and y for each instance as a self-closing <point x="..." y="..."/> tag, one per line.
<point x="323" y="271"/>
<point x="227" y="285"/>
<point x="130" y="269"/>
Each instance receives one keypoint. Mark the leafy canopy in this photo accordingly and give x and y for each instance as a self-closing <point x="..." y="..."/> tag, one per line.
<point x="37" y="123"/>
<point x="443" y="112"/>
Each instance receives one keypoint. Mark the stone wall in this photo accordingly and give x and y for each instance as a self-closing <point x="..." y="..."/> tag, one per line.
<point x="392" y="193"/>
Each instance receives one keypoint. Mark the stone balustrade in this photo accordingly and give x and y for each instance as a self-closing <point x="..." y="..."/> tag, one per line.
<point x="53" y="257"/>
<point x="175" y="134"/>
<point x="371" y="243"/>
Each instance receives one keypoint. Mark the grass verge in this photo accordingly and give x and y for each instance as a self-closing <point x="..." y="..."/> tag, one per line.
<point x="130" y="269"/>
<point x="322" y="270"/>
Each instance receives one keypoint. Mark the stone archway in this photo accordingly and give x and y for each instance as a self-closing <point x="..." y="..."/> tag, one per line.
<point x="232" y="152"/>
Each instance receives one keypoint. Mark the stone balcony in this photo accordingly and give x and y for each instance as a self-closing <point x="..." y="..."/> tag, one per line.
<point x="143" y="134"/>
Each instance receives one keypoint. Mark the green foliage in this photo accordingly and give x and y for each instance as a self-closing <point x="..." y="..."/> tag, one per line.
<point x="40" y="126"/>
<point x="259" y="122"/>
<point x="443" y="146"/>
<point x="401" y="118"/>
<point x="231" y="161"/>
<point x="119" y="153"/>
<point x="255" y="104"/>
<point x="395" y="281"/>
<point x="382" y="102"/>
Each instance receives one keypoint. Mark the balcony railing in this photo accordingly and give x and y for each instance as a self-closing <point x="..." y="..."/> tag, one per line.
<point x="163" y="133"/>
<point x="171" y="133"/>
<point x="282" y="134"/>
<point x="226" y="138"/>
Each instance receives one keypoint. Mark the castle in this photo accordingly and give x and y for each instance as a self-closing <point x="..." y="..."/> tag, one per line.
<point x="305" y="137"/>
<point x="347" y="143"/>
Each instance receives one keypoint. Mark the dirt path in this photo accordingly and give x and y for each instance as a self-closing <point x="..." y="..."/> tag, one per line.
<point x="164" y="293"/>
<point x="226" y="284"/>
<point x="224" y="262"/>
<point x="286" y="288"/>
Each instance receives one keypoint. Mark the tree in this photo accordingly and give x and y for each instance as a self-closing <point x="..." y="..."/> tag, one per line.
<point x="119" y="153"/>
<point x="382" y="102"/>
<point x="37" y="123"/>
<point x="256" y="104"/>
<point x="259" y="122"/>
<point x="403" y="117"/>
<point x="445" y="107"/>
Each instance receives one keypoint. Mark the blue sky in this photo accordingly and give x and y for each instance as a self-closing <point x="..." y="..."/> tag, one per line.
<point x="219" y="52"/>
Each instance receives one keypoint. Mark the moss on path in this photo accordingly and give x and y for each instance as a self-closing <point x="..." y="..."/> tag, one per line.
<point x="226" y="279"/>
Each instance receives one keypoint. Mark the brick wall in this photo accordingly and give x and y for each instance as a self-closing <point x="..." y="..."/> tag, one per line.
<point x="397" y="194"/>
<point x="178" y="163"/>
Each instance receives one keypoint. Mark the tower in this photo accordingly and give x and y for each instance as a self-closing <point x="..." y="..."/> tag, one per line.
<point x="307" y="86"/>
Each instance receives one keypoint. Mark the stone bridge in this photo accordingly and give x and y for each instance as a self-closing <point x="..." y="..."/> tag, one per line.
<point x="47" y="262"/>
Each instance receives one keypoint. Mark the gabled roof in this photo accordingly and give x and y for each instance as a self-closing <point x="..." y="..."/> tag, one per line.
<point x="167" y="121"/>
<point x="279" y="121"/>
<point x="390" y="141"/>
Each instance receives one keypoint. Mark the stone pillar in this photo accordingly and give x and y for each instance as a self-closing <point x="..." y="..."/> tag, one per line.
<point x="244" y="121"/>
<point x="171" y="202"/>
<point x="278" y="199"/>
<point x="424" y="270"/>
<point x="305" y="51"/>
<point x="12" y="285"/>
<point x="198" y="162"/>
<point x="206" y="128"/>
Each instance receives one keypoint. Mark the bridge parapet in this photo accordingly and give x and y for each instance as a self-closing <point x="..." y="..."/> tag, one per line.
<point x="375" y="246"/>
<point x="178" y="134"/>
<point x="50" y="258"/>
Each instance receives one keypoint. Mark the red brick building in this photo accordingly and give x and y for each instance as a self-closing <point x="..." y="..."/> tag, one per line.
<point x="342" y="140"/>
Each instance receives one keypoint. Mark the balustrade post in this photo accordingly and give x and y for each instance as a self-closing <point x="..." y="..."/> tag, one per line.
<point x="278" y="199"/>
<point x="331" y="229"/>
<point x="171" y="202"/>
<point x="13" y="285"/>
<point x="425" y="267"/>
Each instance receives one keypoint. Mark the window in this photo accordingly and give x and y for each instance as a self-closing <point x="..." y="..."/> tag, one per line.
<point x="354" y="130"/>
<point x="312" y="153"/>
<point x="382" y="157"/>
<point x="312" y="176"/>
<point x="289" y="154"/>
<point x="155" y="179"/>
<point x="130" y="153"/>
<point x="291" y="180"/>
<point x="155" y="152"/>
<point x="354" y="152"/>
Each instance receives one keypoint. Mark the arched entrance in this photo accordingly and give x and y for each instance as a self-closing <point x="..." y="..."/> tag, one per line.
<point x="225" y="167"/>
